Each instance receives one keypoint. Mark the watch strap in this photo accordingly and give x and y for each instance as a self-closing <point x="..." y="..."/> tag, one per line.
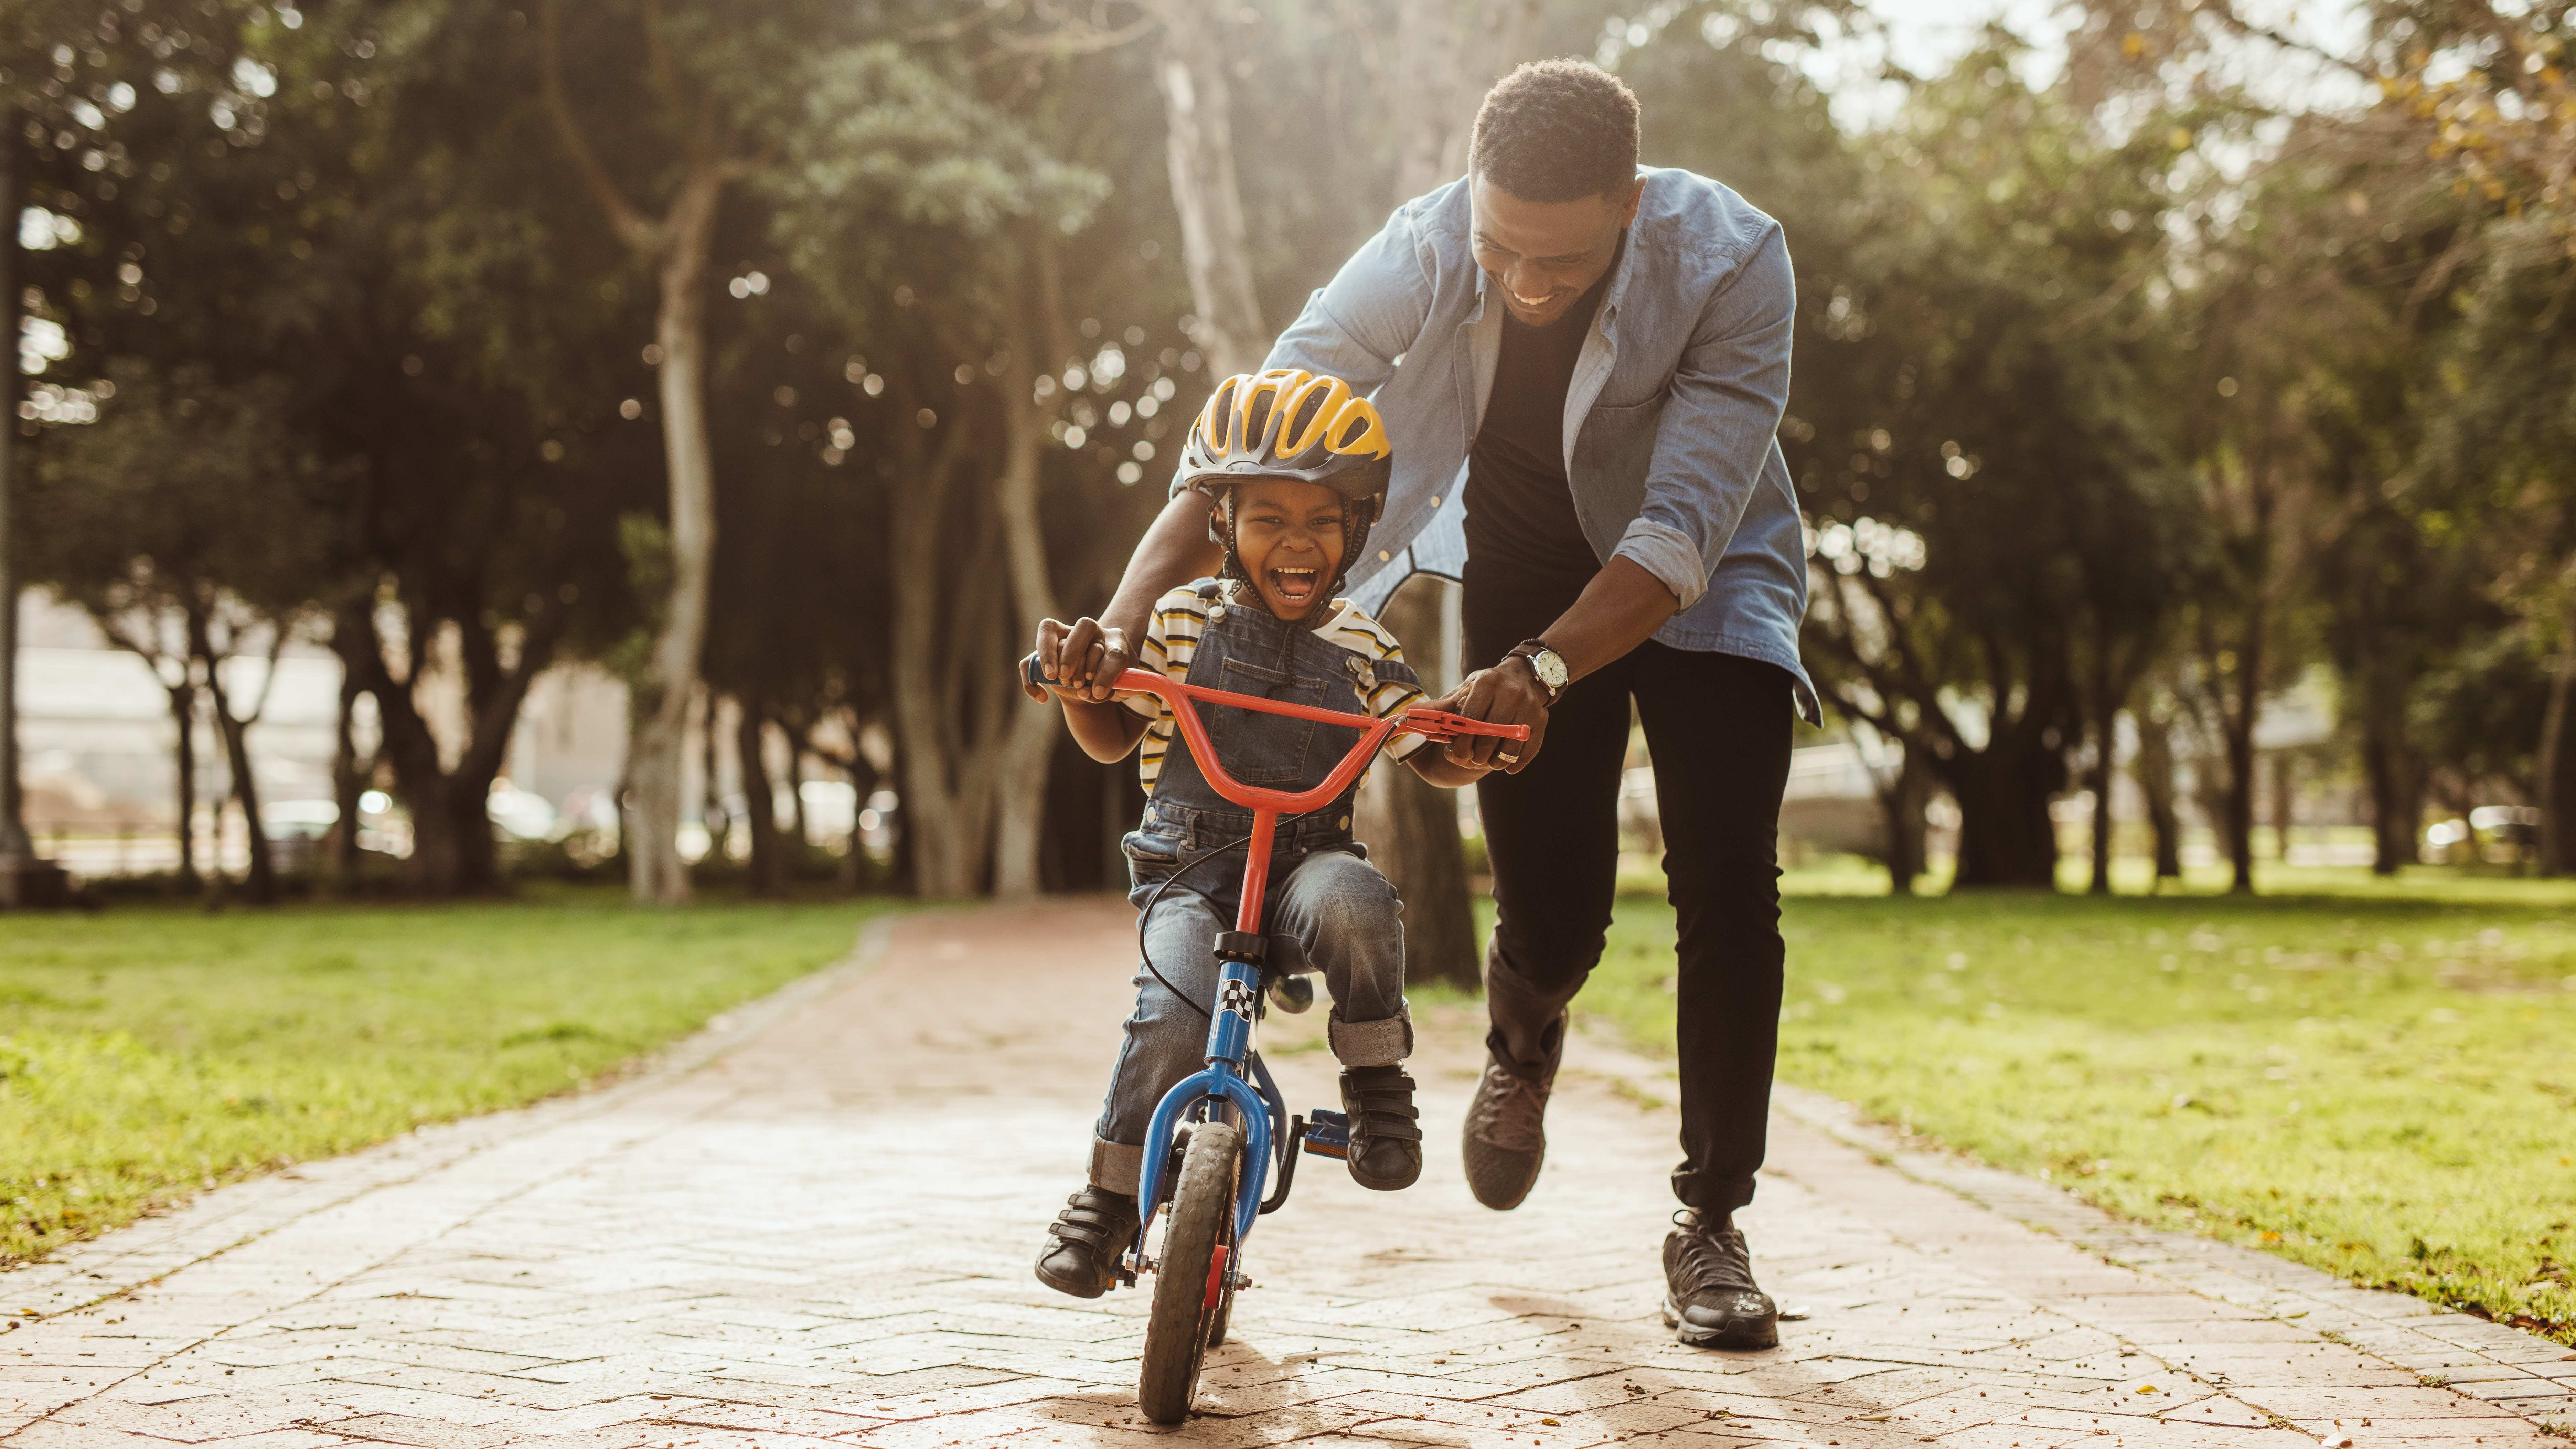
<point x="1530" y="649"/>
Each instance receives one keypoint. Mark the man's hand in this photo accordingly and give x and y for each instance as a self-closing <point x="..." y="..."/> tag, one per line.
<point x="1083" y="658"/>
<point x="1509" y="693"/>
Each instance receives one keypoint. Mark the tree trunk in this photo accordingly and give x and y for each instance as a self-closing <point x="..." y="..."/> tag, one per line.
<point x="348" y="782"/>
<point x="2238" y="722"/>
<point x="183" y="716"/>
<point x="2284" y="802"/>
<point x="15" y="847"/>
<point x="657" y="875"/>
<point x="261" y="883"/>
<point x="1904" y="801"/>
<point x="2154" y="771"/>
<point x="2392" y="805"/>
<point x="2106" y="743"/>
<point x="2006" y="838"/>
<point x="759" y="799"/>
<point x="713" y="817"/>
<point x="1445" y="53"/>
<point x="1028" y="744"/>
<point x="796" y="823"/>
<point x="453" y="852"/>
<point x="1193" y="73"/>
<point x="2558" y="759"/>
<point x="947" y="811"/>
<point x="1411" y="826"/>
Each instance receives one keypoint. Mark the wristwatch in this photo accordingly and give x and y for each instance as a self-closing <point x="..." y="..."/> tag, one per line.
<point x="1546" y="663"/>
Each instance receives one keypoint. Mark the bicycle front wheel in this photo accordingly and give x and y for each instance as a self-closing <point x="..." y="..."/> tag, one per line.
<point x="1195" y="1272"/>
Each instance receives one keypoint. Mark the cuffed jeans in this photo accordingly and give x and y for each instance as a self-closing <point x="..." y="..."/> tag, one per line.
<point x="1717" y="726"/>
<point x="1332" y="906"/>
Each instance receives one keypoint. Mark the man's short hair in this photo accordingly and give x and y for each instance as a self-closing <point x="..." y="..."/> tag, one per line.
<point x="1557" y="130"/>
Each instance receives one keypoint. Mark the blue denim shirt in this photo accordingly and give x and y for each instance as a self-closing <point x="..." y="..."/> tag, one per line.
<point x="1670" y="421"/>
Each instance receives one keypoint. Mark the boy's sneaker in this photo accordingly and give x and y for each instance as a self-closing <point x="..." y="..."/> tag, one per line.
<point x="1710" y="1298"/>
<point x="1506" y="1136"/>
<point x="1386" y="1135"/>
<point x="1085" y="1242"/>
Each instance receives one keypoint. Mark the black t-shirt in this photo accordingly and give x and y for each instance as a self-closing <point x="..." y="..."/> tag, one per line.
<point x="1522" y="532"/>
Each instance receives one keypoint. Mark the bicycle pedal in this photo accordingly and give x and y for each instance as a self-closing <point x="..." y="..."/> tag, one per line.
<point x="1328" y="1134"/>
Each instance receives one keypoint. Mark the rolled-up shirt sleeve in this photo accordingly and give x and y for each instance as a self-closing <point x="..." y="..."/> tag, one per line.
<point x="1719" y="424"/>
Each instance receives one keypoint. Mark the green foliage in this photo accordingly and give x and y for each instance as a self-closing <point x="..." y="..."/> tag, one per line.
<point x="190" y="492"/>
<point x="149" y="1052"/>
<point x="2371" y="1081"/>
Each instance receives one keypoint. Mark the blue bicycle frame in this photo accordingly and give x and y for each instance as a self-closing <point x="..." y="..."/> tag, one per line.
<point x="1223" y="1080"/>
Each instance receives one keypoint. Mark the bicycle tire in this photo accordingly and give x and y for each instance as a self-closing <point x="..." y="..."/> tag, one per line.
<point x="1199" y="1222"/>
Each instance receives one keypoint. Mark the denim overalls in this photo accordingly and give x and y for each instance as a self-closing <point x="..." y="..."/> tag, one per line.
<point x="1325" y="899"/>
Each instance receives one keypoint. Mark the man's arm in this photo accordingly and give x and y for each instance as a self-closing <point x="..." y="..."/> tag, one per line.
<point x="1716" y="432"/>
<point x="1620" y="609"/>
<point x="1719" y="426"/>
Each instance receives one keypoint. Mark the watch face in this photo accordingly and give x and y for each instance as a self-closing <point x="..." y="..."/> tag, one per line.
<point x="1549" y="667"/>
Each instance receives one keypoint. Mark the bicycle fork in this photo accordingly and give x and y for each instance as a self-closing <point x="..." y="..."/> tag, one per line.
<point x="1240" y="954"/>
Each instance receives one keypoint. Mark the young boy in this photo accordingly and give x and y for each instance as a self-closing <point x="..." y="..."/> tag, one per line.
<point x="1295" y="466"/>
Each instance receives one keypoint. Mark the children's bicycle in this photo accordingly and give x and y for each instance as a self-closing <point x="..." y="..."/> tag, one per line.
<point x="1220" y="1136"/>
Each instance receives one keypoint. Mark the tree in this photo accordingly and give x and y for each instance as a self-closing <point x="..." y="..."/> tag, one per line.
<point x="66" y="71"/>
<point x="1974" y="454"/>
<point x="189" y="510"/>
<point x="706" y="145"/>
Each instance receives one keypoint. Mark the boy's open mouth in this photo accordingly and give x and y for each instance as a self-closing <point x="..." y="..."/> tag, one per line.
<point x="1295" y="586"/>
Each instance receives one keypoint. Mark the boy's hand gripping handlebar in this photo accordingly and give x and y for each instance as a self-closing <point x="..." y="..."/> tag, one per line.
<point x="1436" y="725"/>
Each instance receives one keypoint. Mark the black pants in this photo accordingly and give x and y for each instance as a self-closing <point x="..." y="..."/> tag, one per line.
<point x="1717" y="727"/>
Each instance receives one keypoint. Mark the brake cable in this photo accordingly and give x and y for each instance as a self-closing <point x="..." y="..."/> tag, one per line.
<point x="1146" y="912"/>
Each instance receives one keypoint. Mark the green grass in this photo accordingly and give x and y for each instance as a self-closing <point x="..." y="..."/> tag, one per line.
<point x="2378" y="1079"/>
<point x="145" y="1053"/>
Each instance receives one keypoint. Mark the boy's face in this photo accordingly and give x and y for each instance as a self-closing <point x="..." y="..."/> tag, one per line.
<point x="1288" y="535"/>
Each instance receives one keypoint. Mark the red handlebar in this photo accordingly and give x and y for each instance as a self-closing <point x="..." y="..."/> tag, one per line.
<point x="1436" y="725"/>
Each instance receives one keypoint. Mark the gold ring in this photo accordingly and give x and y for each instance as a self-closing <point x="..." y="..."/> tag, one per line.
<point x="1507" y="759"/>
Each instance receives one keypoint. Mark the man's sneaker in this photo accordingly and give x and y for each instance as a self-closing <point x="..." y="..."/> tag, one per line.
<point x="1506" y="1137"/>
<point x="1710" y="1298"/>
<point x="1386" y="1135"/>
<point x="1085" y="1242"/>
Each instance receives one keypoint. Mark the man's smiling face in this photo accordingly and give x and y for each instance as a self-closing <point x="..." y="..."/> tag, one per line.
<point x="1544" y="255"/>
<point x="1288" y="535"/>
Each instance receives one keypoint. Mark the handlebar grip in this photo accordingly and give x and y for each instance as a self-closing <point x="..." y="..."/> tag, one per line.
<point x="1031" y="674"/>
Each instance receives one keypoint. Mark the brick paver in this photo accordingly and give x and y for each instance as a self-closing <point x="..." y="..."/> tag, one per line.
<point x="812" y="1225"/>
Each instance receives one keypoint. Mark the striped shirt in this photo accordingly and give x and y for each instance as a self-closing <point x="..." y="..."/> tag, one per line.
<point x="1386" y="684"/>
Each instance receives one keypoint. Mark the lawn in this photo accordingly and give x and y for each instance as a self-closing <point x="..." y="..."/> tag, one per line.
<point x="145" y="1053"/>
<point x="2376" y="1079"/>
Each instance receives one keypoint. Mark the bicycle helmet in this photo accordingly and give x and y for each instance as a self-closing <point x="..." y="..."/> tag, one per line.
<point x="1289" y="423"/>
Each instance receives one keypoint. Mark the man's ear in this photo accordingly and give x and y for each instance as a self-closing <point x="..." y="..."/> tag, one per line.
<point x="1636" y="196"/>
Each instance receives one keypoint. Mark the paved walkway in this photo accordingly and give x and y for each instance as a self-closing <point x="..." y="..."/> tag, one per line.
<point x="813" y="1225"/>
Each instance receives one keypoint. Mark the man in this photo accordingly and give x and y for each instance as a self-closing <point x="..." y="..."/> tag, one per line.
<point x="1589" y="359"/>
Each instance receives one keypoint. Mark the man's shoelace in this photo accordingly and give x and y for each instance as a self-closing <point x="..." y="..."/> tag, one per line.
<point x="1509" y="1112"/>
<point x="1715" y="1259"/>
